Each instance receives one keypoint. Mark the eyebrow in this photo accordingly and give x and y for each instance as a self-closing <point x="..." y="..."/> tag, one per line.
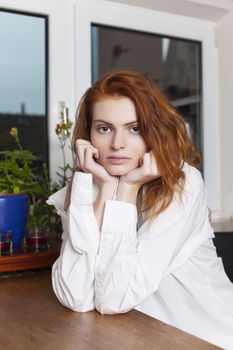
<point x="110" y="124"/>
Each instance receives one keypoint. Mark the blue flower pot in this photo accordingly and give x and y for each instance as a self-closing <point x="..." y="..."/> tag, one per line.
<point x="13" y="215"/>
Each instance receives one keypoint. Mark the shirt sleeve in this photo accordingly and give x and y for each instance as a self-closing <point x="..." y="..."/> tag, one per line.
<point x="131" y="264"/>
<point x="73" y="271"/>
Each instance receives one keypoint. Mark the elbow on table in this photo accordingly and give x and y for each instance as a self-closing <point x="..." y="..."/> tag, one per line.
<point x="80" y="308"/>
<point x="111" y="308"/>
<point x="68" y="299"/>
<point x="72" y="304"/>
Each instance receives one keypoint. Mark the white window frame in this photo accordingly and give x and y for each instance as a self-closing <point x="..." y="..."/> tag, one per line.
<point x="135" y="18"/>
<point x="61" y="63"/>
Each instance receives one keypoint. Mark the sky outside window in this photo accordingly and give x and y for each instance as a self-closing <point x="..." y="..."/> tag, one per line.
<point x="22" y="63"/>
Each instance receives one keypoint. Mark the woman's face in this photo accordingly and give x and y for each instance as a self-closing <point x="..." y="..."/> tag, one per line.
<point x="115" y="133"/>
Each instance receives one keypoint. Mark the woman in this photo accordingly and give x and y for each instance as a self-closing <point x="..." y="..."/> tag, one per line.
<point x="135" y="219"/>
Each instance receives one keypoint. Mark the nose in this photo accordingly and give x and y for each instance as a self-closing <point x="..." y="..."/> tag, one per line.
<point x="118" y="140"/>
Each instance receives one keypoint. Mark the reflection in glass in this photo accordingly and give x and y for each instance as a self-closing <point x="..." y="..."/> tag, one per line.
<point x="174" y="64"/>
<point x="23" y="90"/>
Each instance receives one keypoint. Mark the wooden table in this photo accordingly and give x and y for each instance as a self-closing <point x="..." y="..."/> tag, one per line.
<point x="32" y="318"/>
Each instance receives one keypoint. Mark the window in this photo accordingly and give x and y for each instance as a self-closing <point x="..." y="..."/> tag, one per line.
<point x="168" y="26"/>
<point x="23" y="84"/>
<point x="173" y="63"/>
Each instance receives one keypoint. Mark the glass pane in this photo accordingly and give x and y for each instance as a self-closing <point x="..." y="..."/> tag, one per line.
<point x="23" y="83"/>
<point x="174" y="64"/>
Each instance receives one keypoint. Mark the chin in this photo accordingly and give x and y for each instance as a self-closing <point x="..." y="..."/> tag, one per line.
<point x="117" y="170"/>
<point x="117" y="173"/>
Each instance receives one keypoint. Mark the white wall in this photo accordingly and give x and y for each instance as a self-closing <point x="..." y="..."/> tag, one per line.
<point x="225" y="43"/>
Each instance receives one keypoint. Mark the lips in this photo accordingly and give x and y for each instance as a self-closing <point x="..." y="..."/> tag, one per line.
<point x="116" y="160"/>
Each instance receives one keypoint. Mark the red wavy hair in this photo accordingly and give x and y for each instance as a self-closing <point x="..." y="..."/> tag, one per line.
<point x="161" y="126"/>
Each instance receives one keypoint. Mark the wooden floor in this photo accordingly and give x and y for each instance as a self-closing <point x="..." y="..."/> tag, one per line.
<point x="32" y="318"/>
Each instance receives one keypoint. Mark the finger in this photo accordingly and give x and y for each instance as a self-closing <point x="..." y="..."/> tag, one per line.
<point x="150" y="167"/>
<point x="78" y="163"/>
<point x="154" y="166"/>
<point x="146" y="160"/>
<point x="80" y="145"/>
<point x="95" y="153"/>
<point x="88" y="158"/>
<point x="80" y="156"/>
<point x="82" y="142"/>
<point x="92" y="152"/>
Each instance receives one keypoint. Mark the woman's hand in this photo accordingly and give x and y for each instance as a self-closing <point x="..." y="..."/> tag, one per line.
<point x="86" y="155"/>
<point x="147" y="172"/>
<point x="107" y="184"/>
<point x="130" y="183"/>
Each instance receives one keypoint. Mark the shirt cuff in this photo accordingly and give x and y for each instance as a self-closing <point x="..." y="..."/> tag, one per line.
<point x="119" y="216"/>
<point x="57" y="199"/>
<point x="81" y="193"/>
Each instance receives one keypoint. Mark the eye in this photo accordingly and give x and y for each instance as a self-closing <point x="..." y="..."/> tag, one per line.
<point x="135" y="129"/>
<point x="103" y="129"/>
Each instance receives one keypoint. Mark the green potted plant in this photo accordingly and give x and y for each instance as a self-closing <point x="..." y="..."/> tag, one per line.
<point x="23" y="192"/>
<point x="19" y="186"/>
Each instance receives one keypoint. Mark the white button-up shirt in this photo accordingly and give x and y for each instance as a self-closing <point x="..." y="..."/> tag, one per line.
<point x="168" y="268"/>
